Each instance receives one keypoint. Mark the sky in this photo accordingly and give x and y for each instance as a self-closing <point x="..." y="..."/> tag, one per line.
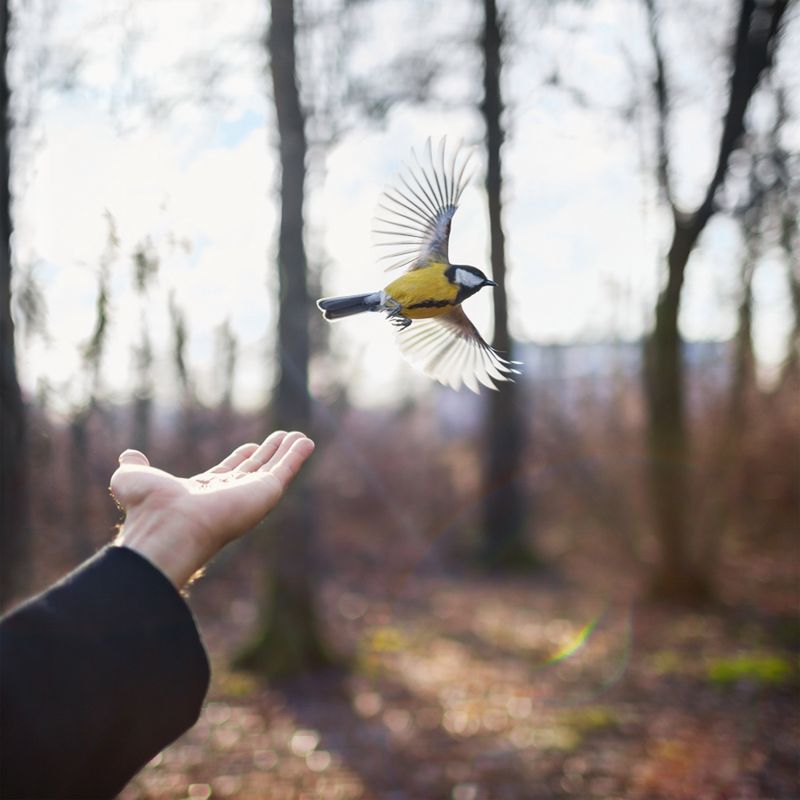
<point x="168" y="127"/>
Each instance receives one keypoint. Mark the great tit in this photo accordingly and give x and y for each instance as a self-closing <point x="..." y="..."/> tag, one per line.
<point x="424" y="303"/>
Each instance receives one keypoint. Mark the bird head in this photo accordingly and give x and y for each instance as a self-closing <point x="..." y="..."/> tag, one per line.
<point x="468" y="279"/>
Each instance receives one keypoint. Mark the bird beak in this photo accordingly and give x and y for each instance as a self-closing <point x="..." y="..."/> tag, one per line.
<point x="487" y="282"/>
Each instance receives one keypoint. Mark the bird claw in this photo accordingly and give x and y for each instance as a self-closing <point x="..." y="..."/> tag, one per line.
<point x="400" y="322"/>
<point x="394" y="314"/>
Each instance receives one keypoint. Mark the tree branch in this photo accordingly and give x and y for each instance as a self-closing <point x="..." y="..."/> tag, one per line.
<point x="661" y="91"/>
<point x="757" y="31"/>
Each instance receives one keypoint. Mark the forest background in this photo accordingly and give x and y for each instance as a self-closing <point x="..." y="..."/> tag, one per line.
<point x="585" y="584"/>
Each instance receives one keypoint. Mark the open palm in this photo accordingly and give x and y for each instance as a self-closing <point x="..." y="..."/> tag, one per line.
<point x="180" y="523"/>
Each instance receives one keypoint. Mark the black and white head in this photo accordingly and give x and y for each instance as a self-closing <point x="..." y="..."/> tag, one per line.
<point x="468" y="279"/>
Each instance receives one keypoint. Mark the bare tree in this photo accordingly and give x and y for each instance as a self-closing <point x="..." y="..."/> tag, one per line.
<point x="788" y="181"/>
<point x="506" y="519"/>
<point x="676" y="576"/>
<point x="92" y="359"/>
<point x="190" y="430"/>
<point x="13" y="512"/>
<point x="145" y="268"/>
<point x="180" y="336"/>
<point x="289" y="640"/>
<point x="227" y="347"/>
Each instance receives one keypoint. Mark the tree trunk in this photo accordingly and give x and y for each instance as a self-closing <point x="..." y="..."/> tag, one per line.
<point x="504" y="513"/>
<point x="669" y="457"/>
<point x="143" y="394"/>
<point x="142" y="414"/>
<point x="13" y="510"/>
<point x="789" y="243"/>
<point x="290" y="641"/>
<point x="744" y="363"/>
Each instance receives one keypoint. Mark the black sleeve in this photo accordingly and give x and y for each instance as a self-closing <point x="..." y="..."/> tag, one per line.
<point x="97" y="675"/>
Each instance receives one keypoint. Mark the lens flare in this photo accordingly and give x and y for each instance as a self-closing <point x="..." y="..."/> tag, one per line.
<point x="576" y="642"/>
<point x="616" y="659"/>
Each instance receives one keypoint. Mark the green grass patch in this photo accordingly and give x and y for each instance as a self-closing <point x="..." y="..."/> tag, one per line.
<point x="761" y="668"/>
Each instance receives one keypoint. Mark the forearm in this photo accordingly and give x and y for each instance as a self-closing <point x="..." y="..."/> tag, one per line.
<point x="98" y="675"/>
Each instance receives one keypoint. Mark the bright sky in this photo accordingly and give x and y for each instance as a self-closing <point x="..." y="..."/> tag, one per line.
<point x="584" y="229"/>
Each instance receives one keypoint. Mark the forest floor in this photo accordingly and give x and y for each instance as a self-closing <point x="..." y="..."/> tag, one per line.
<point x="465" y="687"/>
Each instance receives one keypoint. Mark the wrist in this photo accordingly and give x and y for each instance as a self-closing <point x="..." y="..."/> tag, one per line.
<point x="153" y="538"/>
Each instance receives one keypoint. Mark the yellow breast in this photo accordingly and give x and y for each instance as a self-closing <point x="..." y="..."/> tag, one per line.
<point x="424" y="292"/>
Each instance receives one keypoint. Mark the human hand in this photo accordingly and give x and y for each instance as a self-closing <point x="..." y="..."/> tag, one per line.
<point x="179" y="524"/>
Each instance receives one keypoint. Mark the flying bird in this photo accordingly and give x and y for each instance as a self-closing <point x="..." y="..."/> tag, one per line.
<point x="424" y="303"/>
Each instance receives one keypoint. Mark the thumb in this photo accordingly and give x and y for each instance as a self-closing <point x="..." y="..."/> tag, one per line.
<point x="133" y="457"/>
<point x="121" y="482"/>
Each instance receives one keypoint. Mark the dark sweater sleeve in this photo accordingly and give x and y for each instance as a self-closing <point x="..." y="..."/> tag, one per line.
<point x="97" y="675"/>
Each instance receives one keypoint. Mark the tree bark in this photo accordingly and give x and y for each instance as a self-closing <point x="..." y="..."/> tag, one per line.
<point x="13" y="484"/>
<point x="676" y="576"/>
<point x="290" y="641"/>
<point x="505" y="516"/>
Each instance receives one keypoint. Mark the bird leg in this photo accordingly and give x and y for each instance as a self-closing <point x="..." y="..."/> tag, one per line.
<point x="395" y="315"/>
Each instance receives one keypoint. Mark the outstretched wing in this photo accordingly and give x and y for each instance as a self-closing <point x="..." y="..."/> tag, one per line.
<point x="449" y="349"/>
<point x="413" y="224"/>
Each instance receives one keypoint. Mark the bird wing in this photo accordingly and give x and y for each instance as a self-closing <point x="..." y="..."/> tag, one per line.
<point x="449" y="349"/>
<point x="415" y="214"/>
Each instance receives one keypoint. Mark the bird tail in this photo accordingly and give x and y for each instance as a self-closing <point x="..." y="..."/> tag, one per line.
<point x="338" y="307"/>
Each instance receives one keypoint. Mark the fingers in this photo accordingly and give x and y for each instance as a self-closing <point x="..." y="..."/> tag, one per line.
<point x="286" y="465"/>
<point x="240" y="454"/>
<point x="281" y="451"/>
<point x="265" y="451"/>
<point x="133" y="457"/>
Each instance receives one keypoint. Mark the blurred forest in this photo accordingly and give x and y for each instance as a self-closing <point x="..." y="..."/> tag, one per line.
<point x="583" y="585"/>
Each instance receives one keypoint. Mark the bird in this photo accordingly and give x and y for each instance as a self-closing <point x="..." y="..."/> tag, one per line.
<point x="424" y="303"/>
